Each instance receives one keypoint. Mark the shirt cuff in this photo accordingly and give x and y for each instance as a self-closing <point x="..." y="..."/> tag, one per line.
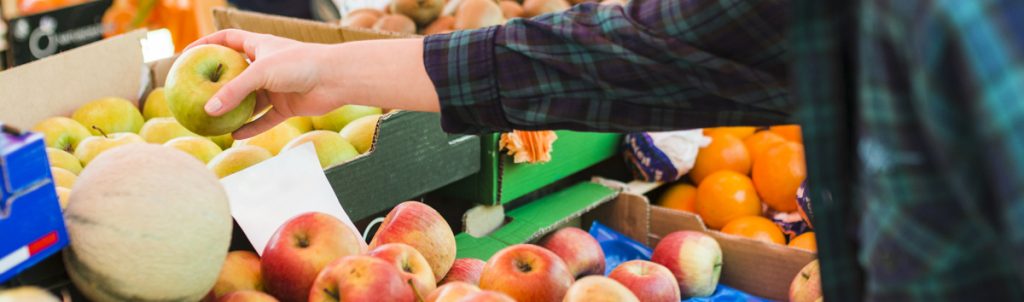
<point x="461" y="65"/>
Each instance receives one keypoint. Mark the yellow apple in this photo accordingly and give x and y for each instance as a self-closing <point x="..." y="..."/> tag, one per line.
<point x="360" y="132"/>
<point x="162" y="129"/>
<point x="272" y="140"/>
<point x="94" y="145"/>
<point x="156" y="105"/>
<point x="303" y="123"/>
<point x="63" y="195"/>
<point x="62" y="133"/>
<point x="109" y="115"/>
<point x="201" y="148"/>
<point x="224" y="141"/>
<point x="62" y="177"/>
<point x="27" y="294"/>
<point x="195" y="77"/>
<point x="237" y="159"/>
<point x="61" y="159"/>
<point x="331" y="149"/>
<point x="337" y="119"/>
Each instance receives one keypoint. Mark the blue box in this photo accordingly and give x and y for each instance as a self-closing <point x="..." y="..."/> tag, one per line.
<point x="31" y="222"/>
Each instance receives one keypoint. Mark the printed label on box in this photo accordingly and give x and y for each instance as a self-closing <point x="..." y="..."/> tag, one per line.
<point x="37" y="36"/>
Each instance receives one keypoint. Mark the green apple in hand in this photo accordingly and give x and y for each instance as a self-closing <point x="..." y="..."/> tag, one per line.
<point x="111" y="114"/>
<point x="162" y="129"/>
<point x="337" y="119"/>
<point x="194" y="78"/>
<point x="201" y="148"/>
<point x="62" y="133"/>
<point x="330" y="147"/>
<point x="156" y="105"/>
<point x="91" y="147"/>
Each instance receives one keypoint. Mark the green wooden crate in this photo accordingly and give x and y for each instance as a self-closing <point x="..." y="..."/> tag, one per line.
<point x="500" y="180"/>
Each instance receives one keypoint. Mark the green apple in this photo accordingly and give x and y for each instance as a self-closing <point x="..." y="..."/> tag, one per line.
<point x="272" y="140"/>
<point x="62" y="159"/>
<point x="195" y="77"/>
<point x="199" y="147"/>
<point x="162" y="129"/>
<point x="237" y="159"/>
<point x="62" y="133"/>
<point x="63" y="177"/>
<point x="110" y="115"/>
<point x="93" y="146"/>
<point x="224" y="141"/>
<point x="330" y="147"/>
<point x="360" y="132"/>
<point x="337" y="119"/>
<point x="303" y="123"/>
<point x="156" y="105"/>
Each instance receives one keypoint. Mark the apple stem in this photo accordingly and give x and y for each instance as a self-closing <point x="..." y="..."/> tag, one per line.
<point x="104" y="133"/>
<point x="217" y="73"/>
<point x="334" y="295"/>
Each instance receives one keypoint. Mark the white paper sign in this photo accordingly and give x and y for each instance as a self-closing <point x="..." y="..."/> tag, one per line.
<point x="266" y="195"/>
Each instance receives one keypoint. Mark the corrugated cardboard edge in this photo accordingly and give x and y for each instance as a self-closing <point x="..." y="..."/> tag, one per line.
<point x="297" y="29"/>
<point x="759" y="268"/>
<point x="63" y="82"/>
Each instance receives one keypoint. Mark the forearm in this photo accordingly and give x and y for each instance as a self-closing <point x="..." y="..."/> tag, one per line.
<point x="383" y="73"/>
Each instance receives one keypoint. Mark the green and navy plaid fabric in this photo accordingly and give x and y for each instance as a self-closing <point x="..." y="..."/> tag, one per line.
<point x="908" y="109"/>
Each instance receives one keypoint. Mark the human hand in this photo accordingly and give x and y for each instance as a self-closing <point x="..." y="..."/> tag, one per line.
<point x="285" y="74"/>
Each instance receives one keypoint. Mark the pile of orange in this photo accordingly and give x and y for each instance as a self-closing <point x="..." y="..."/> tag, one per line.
<point x="741" y="168"/>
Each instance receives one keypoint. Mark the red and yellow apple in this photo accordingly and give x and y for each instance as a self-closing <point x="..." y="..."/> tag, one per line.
<point x="599" y="289"/>
<point x="415" y="269"/>
<point x="241" y="271"/>
<point x="806" y="286"/>
<point x="422" y="227"/>
<point x="194" y="78"/>
<point x="360" y="278"/>
<point x="694" y="258"/>
<point x="487" y="296"/>
<point x="466" y="270"/>
<point x="527" y="272"/>
<point x="302" y="247"/>
<point x="246" y="296"/>
<point x="580" y="251"/>
<point x="649" y="281"/>
<point x="451" y="292"/>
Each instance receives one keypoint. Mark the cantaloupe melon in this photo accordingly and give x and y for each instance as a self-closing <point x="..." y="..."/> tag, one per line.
<point x="146" y="223"/>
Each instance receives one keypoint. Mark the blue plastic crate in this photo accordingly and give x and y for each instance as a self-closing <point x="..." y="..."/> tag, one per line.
<point x="31" y="222"/>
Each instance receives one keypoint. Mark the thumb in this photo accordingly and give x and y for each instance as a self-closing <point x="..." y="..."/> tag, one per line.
<point x="235" y="90"/>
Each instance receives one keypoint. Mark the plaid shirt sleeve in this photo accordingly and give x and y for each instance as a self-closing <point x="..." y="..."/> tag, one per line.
<point x="655" y="64"/>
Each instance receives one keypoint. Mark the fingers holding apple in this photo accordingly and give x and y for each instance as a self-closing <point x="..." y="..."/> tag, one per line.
<point x="194" y="78"/>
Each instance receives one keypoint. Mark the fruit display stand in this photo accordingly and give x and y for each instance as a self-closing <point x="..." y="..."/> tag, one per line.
<point x="755" y="267"/>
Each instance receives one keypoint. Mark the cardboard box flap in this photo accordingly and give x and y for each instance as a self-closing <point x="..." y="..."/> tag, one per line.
<point x="292" y="28"/>
<point x="54" y="84"/>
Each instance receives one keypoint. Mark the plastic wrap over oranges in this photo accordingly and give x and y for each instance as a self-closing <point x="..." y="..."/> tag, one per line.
<point x="528" y="146"/>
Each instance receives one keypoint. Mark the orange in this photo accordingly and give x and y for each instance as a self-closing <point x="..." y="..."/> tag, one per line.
<point x="805" y="241"/>
<point x="724" y="196"/>
<point x="757" y="228"/>
<point x="725" y="152"/>
<point x="790" y="132"/>
<point x="778" y="174"/>
<point x="759" y="142"/>
<point x="681" y="197"/>
<point x="738" y="132"/>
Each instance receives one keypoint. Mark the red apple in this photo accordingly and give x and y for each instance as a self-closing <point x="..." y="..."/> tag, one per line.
<point x="452" y="292"/>
<point x="302" y="247"/>
<point x="487" y="296"/>
<point x="415" y="269"/>
<point x="246" y="296"/>
<point x="599" y="289"/>
<point x="694" y="258"/>
<point x="649" y="281"/>
<point x="580" y="251"/>
<point x="527" y="272"/>
<point x="419" y="225"/>
<point x="466" y="270"/>
<point x="360" y="278"/>
<point x="806" y="285"/>
<point x="241" y="271"/>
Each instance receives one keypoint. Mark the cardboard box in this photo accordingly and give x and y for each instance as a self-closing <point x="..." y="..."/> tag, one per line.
<point x="36" y="36"/>
<point x="755" y="267"/>
<point x="501" y="180"/>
